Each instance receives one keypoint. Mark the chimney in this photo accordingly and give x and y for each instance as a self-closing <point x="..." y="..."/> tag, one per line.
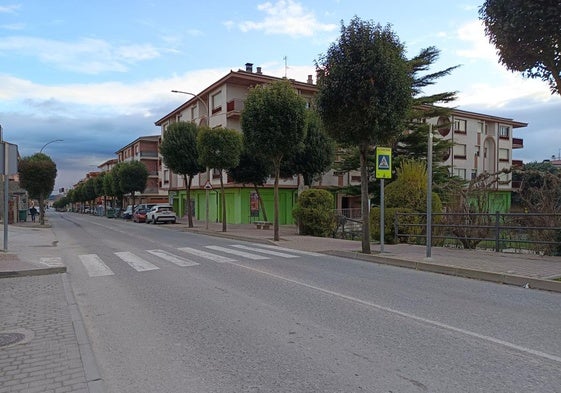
<point x="259" y="70"/>
<point x="249" y="67"/>
<point x="310" y="80"/>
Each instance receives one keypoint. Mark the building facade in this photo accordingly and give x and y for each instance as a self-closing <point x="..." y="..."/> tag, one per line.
<point x="482" y="143"/>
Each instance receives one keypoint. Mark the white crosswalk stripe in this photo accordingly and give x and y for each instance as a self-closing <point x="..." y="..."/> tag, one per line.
<point x="95" y="266"/>
<point x="179" y="261"/>
<point x="137" y="263"/>
<point x="310" y="253"/>
<point x="206" y="255"/>
<point x="266" y="251"/>
<point x="52" y="261"/>
<point x="237" y="252"/>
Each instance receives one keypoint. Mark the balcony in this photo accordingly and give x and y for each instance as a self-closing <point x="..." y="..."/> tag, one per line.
<point x="517" y="143"/>
<point x="517" y="163"/>
<point x="234" y="107"/>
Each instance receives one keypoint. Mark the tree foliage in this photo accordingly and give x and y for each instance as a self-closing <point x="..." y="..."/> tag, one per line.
<point x="527" y="37"/>
<point x="37" y="174"/>
<point x="365" y="94"/>
<point x="220" y="148"/>
<point x="180" y="154"/>
<point x="273" y="126"/>
<point x="316" y="155"/>
<point x="314" y="212"/>
<point x="133" y="177"/>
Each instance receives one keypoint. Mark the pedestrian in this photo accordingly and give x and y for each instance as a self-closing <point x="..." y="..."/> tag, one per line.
<point x="33" y="212"/>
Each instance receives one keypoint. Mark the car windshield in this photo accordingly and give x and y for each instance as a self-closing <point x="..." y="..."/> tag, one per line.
<point x="164" y="209"/>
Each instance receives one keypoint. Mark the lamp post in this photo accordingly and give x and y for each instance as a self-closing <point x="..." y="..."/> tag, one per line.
<point x="207" y="189"/>
<point x="48" y="143"/>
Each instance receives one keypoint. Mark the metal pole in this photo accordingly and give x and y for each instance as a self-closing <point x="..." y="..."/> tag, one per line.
<point x="382" y="215"/>
<point x="429" y="194"/>
<point x="6" y="190"/>
<point x="48" y="143"/>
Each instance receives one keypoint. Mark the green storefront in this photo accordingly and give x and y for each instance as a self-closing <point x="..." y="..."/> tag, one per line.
<point x="241" y="204"/>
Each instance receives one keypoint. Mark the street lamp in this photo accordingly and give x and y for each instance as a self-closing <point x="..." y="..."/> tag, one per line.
<point x="207" y="189"/>
<point x="48" y="143"/>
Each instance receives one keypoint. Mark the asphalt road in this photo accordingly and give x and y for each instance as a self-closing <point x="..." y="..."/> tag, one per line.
<point x="170" y="311"/>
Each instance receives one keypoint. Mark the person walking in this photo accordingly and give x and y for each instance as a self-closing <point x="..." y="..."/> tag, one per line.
<point x="33" y="212"/>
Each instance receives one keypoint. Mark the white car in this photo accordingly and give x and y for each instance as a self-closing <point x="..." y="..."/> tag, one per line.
<point x="161" y="213"/>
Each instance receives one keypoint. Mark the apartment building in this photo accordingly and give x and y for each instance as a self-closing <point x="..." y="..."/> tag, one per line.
<point x="220" y="105"/>
<point x="145" y="150"/>
<point x="482" y="143"/>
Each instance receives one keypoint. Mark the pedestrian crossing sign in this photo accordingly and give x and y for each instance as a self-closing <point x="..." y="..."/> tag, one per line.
<point x="383" y="163"/>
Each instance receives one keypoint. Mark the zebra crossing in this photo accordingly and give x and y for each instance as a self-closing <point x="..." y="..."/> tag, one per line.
<point x="188" y="257"/>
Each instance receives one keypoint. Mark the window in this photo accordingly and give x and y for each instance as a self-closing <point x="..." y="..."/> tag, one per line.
<point x="480" y="127"/>
<point x="216" y="102"/>
<point x="460" y="126"/>
<point x="193" y="112"/>
<point x="504" y="155"/>
<point x="460" y="151"/>
<point x="460" y="172"/>
<point x="473" y="174"/>
<point x="166" y="176"/>
<point x="504" y="132"/>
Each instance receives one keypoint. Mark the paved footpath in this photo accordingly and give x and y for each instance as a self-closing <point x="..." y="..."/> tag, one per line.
<point x="43" y="344"/>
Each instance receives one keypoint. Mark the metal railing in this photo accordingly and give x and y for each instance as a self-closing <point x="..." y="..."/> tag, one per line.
<point x="518" y="232"/>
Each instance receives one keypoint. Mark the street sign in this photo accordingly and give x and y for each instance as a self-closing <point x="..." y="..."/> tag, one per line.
<point x="11" y="159"/>
<point x="383" y="163"/>
<point x="208" y="186"/>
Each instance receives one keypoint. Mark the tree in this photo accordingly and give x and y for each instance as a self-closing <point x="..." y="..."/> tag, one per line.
<point x="180" y="154"/>
<point x="37" y="174"/>
<point x="273" y="126"/>
<point x="133" y="176"/>
<point x="115" y="177"/>
<point x="527" y="37"/>
<point x="252" y="169"/>
<point x="365" y="90"/>
<point x="220" y="148"/>
<point x="317" y="153"/>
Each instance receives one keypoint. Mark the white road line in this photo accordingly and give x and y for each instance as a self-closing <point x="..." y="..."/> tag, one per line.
<point x="237" y="252"/>
<point x="310" y="253"/>
<point x="469" y="333"/>
<point x="137" y="263"/>
<point x="207" y="255"/>
<point x="51" y="262"/>
<point x="266" y="251"/>
<point x="95" y="266"/>
<point x="183" y="262"/>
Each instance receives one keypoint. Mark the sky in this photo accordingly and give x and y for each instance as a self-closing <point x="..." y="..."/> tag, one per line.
<point x="81" y="80"/>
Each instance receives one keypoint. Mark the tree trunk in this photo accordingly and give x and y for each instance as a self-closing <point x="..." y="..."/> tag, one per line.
<point x="223" y="197"/>
<point x="276" y="203"/>
<point x="188" y="180"/>
<point x="364" y="201"/>
<point x="41" y="210"/>
<point x="261" y="204"/>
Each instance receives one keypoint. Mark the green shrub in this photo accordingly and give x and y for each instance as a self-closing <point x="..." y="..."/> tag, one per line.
<point x="389" y="222"/>
<point x="314" y="213"/>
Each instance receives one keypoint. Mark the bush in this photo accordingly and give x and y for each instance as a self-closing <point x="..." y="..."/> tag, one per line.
<point x="314" y="213"/>
<point x="389" y="222"/>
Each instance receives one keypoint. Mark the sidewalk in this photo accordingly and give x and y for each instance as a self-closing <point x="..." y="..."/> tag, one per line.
<point x="528" y="270"/>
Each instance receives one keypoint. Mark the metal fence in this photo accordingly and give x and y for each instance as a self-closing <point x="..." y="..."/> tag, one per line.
<point x="517" y="232"/>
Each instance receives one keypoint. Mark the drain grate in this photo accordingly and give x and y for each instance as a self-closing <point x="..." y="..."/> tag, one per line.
<point x="10" y="338"/>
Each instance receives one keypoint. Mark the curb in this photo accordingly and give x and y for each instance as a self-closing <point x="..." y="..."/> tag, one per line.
<point x="32" y="272"/>
<point x="500" y="278"/>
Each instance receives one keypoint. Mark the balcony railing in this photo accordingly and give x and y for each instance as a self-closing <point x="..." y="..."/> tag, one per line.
<point x="234" y="107"/>
<point x="517" y="143"/>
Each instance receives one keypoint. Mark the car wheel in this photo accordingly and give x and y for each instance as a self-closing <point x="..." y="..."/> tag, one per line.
<point x="154" y="221"/>
<point x="173" y="222"/>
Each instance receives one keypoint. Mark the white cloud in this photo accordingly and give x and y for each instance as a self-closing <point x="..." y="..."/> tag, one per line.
<point x="286" y="17"/>
<point x="87" y="55"/>
<point x="473" y="34"/>
<point x="9" y="9"/>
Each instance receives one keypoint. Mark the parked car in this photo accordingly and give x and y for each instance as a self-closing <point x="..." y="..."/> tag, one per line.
<point x="139" y="214"/>
<point x="127" y="214"/>
<point x="161" y="213"/>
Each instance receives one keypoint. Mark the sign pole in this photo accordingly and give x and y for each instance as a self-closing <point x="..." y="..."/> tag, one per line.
<point x="383" y="171"/>
<point x="6" y="191"/>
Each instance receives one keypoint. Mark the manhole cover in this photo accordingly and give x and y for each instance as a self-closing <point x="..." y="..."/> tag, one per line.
<point x="10" y="338"/>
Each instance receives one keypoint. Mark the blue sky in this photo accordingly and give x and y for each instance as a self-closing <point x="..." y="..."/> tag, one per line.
<point x="98" y="74"/>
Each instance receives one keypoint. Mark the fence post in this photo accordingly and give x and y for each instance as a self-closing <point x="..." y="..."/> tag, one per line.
<point x="497" y="231"/>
